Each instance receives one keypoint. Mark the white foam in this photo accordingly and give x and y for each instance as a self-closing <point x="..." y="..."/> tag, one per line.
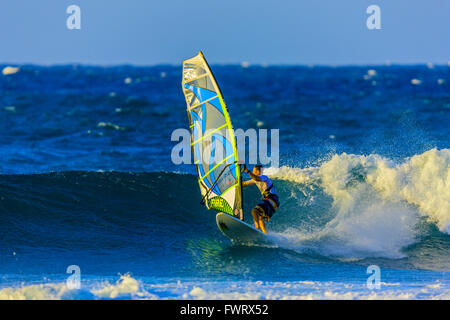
<point x="377" y="202"/>
<point x="127" y="287"/>
<point x="10" y="70"/>
<point x="109" y="125"/>
<point x="424" y="181"/>
<point x="33" y="292"/>
<point x="301" y="290"/>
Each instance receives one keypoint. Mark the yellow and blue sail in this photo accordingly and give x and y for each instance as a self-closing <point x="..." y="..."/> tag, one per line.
<point x="212" y="138"/>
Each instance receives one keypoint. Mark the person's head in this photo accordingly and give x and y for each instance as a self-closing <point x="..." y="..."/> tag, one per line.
<point x="257" y="169"/>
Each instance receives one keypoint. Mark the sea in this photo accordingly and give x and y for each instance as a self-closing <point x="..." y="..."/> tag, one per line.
<point x="92" y="205"/>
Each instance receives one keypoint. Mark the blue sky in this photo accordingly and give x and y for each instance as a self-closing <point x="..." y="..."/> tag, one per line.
<point x="148" y="32"/>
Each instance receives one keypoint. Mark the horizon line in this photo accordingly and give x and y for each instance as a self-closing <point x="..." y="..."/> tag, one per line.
<point x="242" y="64"/>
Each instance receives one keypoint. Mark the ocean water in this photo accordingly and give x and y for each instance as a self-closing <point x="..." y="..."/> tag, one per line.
<point x="86" y="179"/>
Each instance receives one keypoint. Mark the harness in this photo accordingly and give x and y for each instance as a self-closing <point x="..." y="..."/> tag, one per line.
<point x="266" y="192"/>
<point x="272" y="200"/>
<point x="268" y="196"/>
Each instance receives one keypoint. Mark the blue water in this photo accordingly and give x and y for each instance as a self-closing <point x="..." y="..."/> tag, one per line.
<point x="86" y="179"/>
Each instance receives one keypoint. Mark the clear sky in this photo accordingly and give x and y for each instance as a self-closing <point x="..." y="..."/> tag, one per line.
<point x="148" y="32"/>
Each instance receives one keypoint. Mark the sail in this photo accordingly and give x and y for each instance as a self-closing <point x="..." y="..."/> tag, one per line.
<point x="212" y="138"/>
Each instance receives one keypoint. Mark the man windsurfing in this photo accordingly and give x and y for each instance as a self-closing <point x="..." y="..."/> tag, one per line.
<point x="270" y="203"/>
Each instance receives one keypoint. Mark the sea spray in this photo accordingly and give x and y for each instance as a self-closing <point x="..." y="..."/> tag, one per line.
<point x="377" y="203"/>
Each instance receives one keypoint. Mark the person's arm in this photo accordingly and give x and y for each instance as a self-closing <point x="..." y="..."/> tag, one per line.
<point x="253" y="176"/>
<point x="248" y="183"/>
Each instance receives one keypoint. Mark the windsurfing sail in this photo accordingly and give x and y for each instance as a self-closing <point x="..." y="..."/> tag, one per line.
<point x="212" y="138"/>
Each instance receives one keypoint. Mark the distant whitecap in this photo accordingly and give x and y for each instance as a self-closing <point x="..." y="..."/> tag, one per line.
<point x="10" y="70"/>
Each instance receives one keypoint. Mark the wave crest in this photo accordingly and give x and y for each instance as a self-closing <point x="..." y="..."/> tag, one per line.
<point x="377" y="202"/>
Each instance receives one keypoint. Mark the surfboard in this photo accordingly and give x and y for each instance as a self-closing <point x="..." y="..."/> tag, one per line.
<point x="237" y="230"/>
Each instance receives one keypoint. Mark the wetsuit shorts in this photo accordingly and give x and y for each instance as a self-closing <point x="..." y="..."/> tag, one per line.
<point x="269" y="205"/>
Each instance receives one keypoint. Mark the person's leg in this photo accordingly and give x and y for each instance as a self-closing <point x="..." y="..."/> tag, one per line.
<point x="256" y="216"/>
<point x="262" y="224"/>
